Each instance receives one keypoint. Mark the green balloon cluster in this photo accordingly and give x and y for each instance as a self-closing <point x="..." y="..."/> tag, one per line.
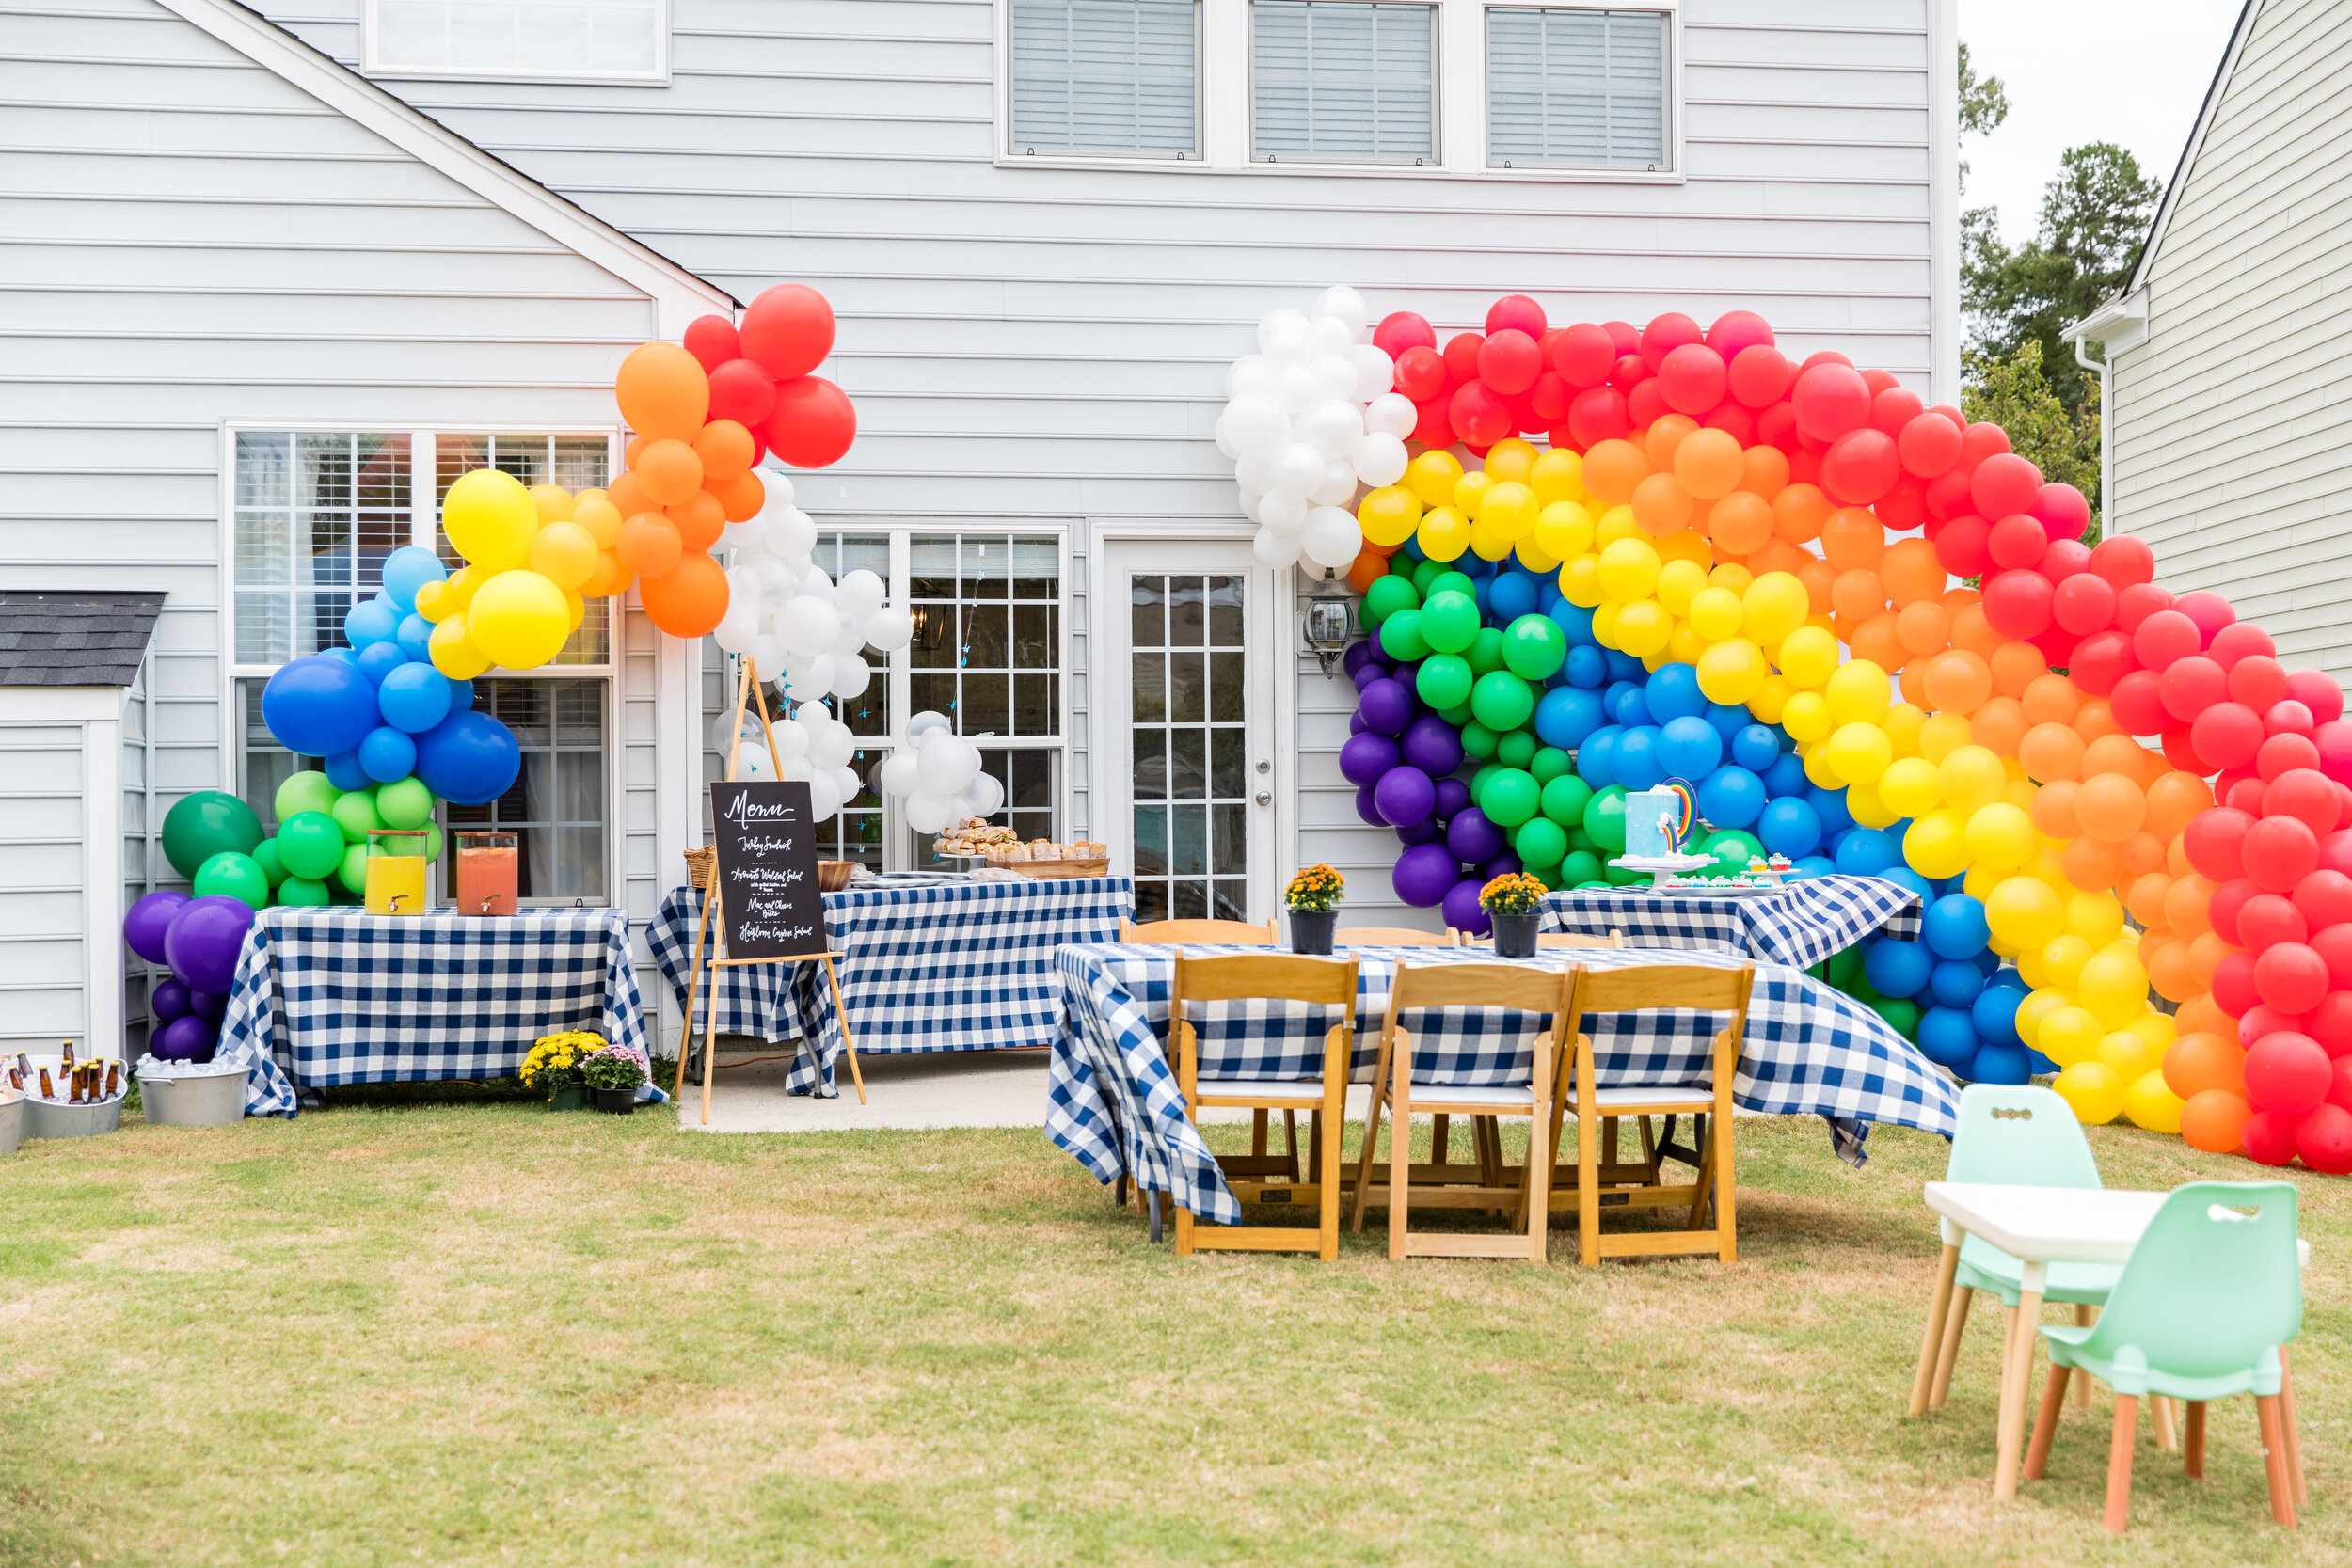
<point x="319" y="854"/>
<point x="1843" y="970"/>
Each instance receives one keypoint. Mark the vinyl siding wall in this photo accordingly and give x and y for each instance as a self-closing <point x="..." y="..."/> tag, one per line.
<point x="2233" y="421"/>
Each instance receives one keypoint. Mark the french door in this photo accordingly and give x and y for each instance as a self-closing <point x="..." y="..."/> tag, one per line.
<point x="1188" y="666"/>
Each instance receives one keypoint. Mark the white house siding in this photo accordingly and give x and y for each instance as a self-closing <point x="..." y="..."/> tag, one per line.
<point x="2233" y="418"/>
<point x="42" y="844"/>
<point x="1050" y="343"/>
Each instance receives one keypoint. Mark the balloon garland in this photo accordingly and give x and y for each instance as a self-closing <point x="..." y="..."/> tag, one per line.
<point x="1730" y="566"/>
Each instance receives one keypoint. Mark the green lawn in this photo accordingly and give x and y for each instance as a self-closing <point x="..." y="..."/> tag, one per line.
<point x="478" y="1331"/>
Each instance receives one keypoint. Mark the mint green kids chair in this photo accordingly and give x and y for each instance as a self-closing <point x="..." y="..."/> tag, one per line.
<point x="2211" y="1293"/>
<point x="2009" y="1134"/>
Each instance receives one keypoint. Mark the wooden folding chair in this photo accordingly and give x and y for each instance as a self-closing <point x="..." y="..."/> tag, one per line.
<point x="1323" y="982"/>
<point x="1613" y="1185"/>
<point x="1228" y="933"/>
<point x="1392" y="936"/>
<point x="1543" y="993"/>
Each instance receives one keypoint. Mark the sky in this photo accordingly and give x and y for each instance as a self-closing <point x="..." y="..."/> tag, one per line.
<point x="2130" y="71"/>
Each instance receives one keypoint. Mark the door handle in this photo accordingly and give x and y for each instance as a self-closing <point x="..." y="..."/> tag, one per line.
<point x="1266" y="798"/>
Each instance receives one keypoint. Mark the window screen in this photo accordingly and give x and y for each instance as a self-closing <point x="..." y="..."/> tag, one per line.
<point x="315" y="517"/>
<point x="1331" y="79"/>
<point x="1576" y="87"/>
<point x="520" y="37"/>
<point x="1106" y="76"/>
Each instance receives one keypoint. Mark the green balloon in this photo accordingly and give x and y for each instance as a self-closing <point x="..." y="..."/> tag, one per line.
<point x="1621" y="875"/>
<point x="1457" y="716"/>
<point x="1604" y="818"/>
<point x="1548" y="763"/>
<point x="1540" y="841"/>
<point x="303" y="892"/>
<point x="1579" y="839"/>
<point x="240" y="877"/>
<point x="1581" y="868"/>
<point x="307" y="790"/>
<point x="265" y="856"/>
<point x="1732" y="849"/>
<point x="311" y="845"/>
<point x="1486" y="651"/>
<point x="1443" y="679"/>
<point x="1384" y="598"/>
<point x="1478" y="741"/>
<point x="1450" y="581"/>
<point x="1510" y="797"/>
<point x="1843" y="968"/>
<point x="1534" y="647"/>
<point x="405" y="802"/>
<point x="1903" y="1015"/>
<point x="1478" y="782"/>
<point x="1399" y="637"/>
<point x="352" y="873"/>
<point x="1503" y="701"/>
<point x="1400" y="565"/>
<point x="1565" y="799"/>
<point x="204" y="824"/>
<point x="1516" y="750"/>
<point x="433" y="841"/>
<point x="1449" y="622"/>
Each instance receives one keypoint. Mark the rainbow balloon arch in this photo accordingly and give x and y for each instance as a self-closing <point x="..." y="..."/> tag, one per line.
<point x="1720" y="565"/>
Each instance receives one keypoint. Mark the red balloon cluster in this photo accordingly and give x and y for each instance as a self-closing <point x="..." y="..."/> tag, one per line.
<point x="759" y="375"/>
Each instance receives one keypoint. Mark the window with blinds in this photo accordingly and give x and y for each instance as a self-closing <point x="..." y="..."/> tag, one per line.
<point x="1342" y="81"/>
<point x="518" y="38"/>
<point x="1118" y="77"/>
<point x="1580" y="88"/>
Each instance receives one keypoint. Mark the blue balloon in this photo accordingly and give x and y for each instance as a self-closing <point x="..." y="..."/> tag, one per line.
<point x="1630" y="710"/>
<point x="1566" y="716"/>
<point x="2001" y="1064"/>
<point x="1867" y="852"/>
<point x="1897" y="968"/>
<point x="1902" y="876"/>
<point x="341" y="655"/>
<point x="1946" y="1038"/>
<point x="407" y="569"/>
<point x="414" y="697"/>
<point x="344" y="772"/>
<point x="1787" y="827"/>
<point x="1830" y="806"/>
<point x="387" y="754"/>
<point x="1690" y="748"/>
<point x="468" y="759"/>
<point x="371" y="621"/>
<point x="1673" y="693"/>
<point x="1576" y="622"/>
<point x="415" y="638"/>
<point x="1481" y="592"/>
<point x="1786" y="776"/>
<point x="1757" y="748"/>
<point x="1513" y="595"/>
<point x="1597" y="759"/>
<point x="1729" y="719"/>
<point x="1988" y="963"/>
<point x="1625" y="667"/>
<point x="317" y="707"/>
<point x="1730" y="797"/>
<point x="1955" y="926"/>
<point x="1586" y="668"/>
<point x="460" y="696"/>
<point x="1994" y="1014"/>
<point x="379" y="659"/>
<point x="1636" y="761"/>
<point x="1812" y="866"/>
<point x="1955" y="983"/>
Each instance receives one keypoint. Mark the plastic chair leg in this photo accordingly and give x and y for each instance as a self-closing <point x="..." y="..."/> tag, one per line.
<point x="2120" y="1463"/>
<point x="2046" y="1423"/>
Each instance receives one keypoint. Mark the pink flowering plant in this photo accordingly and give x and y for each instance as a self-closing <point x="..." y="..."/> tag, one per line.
<point x="616" y="1066"/>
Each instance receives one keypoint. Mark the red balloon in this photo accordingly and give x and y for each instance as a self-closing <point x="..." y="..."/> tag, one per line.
<point x="1737" y="420"/>
<point x="1433" y="429"/>
<point x="1980" y="441"/>
<point x="2180" y="750"/>
<point x="1946" y="494"/>
<point x="2289" y="718"/>
<point x="1893" y="409"/>
<point x="1760" y="376"/>
<point x="2325" y="898"/>
<point x="1691" y="378"/>
<point x="2330" y="1024"/>
<point x="1737" y="331"/>
<point x="2134" y="603"/>
<point x="789" y="329"/>
<point x="1830" y="400"/>
<point x="1776" y="426"/>
<point x="1960" y="546"/>
<point x="2102" y="657"/>
<point x="1625" y="335"/>
<point x="2283" y="754"/>
<point x="2334" y="945"/>
<point x="2229" y="899"/>
<point x="1630" y="370"/>
<point x="1666" y="333"/>
<point x="1461" y="357"/>
<point x="2280" y="852"/>
<point x="2262" y="1021"/>
<point x="2063" y="510"/>
<point x="1928" y="444"/>
<point x="2123" y="561"/>
<point x="1509" y="361"/>
<point x="1598" y="414"/>
<point x="742" y="391"/>
<point x="2258" y="681"/>
<point x="2334" y="742"/>
<point x="2209" y="611"/>
<point x="2227" y="734"/>
<point x="2192" y="685"/>
<point x="2246" y="793"/>
<point x="2241" y="640"/>
<point x="2065" y="558"/>
<point x="1860" y="466"/>
<point x="2287" y="1073"/>
<point x="1583" y="355"/>
<point x="2270" y="919"/>
<point x="2268" y="1138"/>
<point x="712" y="340"/>
<point x="2004" y="482"/>
<point x="2317" y="690"/>
<point x="2306" y="794"/>
<point x="2323" y="1139"/>
<point x="1646" y="405"/>
<point x="2335" y="851"/>
<point x="2017" y="540"/>
<point x="2137" y="700"/>
<point x="1420" y="372"/>
<point x="2215" y="842"/>
<point x="813" y="424"/>
<point x="1515" y="312"/>
<point x="2164" y="636"/>
<point x="1404" y="329"/>
<point x="1478" y="415"/>
<point x="2234" y="990"/>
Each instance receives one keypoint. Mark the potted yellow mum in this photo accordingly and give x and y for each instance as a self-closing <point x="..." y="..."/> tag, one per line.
<point x="1313" y="898"/>
<point x="554" y="1068"/>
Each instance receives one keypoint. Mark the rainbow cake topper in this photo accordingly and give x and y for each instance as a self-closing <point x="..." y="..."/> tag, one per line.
<point x="1678" y="827"/>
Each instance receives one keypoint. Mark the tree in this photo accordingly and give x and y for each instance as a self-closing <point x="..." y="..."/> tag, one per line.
<point x="2013" y="393"/>
<point x="1983" y="104"/>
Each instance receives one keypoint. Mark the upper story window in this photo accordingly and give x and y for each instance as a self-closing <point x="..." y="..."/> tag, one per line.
<point x="1342" y="81"/>
<point x="608" y="39"/>
<point x="1116" y="77"/>
<point x="1577" y="89"/>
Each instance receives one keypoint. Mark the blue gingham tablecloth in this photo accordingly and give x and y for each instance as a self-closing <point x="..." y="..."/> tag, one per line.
<point x="336" y="995"/>
<point x="929" y="964"/>
<point x="1800" y="925"/>
<point x="1113" y="1102"/>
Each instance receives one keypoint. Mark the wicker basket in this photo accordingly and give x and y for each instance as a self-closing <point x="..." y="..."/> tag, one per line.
<point x="701" y="865"/>
<point x="833" y="876"/>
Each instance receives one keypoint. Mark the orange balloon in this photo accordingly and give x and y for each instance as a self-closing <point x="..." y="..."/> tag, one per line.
<point x="1857" y="595"/>
<point x="2091" y="864"/>
<point x="1957" y="682"/>
<point x="1798" y="511"/>
<point x="2215" y="1121"/>
<point x="2173" y="799"/>
<point x="2201" y="1014"/>
<point x="662" y="392"/>
<point x="1611" y="470"/>
<point x="1914" y="683"/>
<point x="2194" y="1063"/>
<point x="2054" y="809"/>
<point x="1665" y="437"/>
<point x="1854" y="536"/>
<point x="1709" y="463"/>
<point x="2050" y="698"/>
<point x="2122" y="755"/>
<point x="2094" y="720"/>
<point x="2112" y="807"/>
<point x="649" y="544"/>
<point x="2205" y="954"/>
<point x="2051" y="752"/>
<point x="1970" y="631"/>
<point x="1776" y="555"/>
<point x="628" y="454"/>
<point x="2144" y="900"/>
<point x="726" y="449"/>
<point x="1661" y="504"/>
<point x="2016" y="667"/>
<point x="1957" y="599"/>
<point x="1924" y="627"/>
<point x="1367" y="569"/>
<point x="1818" y="578"/>
<point x="690" y="599"/>
<point x="2177" y="858"/>
<point x="1764" y="471"/>
<point x="700" y="520"/>
<point x="2169" y="972"/>
<point x="2141" y="853"/>
<point x="1875" y="640"/>
<point x="1912" y="572"/>
<point x="668" y="471"/>
<point x="1999" y="723"/>
<point x="1702" y="518"/>
<point x="742" y="497"/>
<point x="2188" y="904"/>
<point x="629" y="498"/>
<point x="610" y="577"/>
<point x="1741" y="522"/>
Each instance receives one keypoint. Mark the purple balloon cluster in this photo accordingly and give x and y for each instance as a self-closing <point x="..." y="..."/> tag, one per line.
<point x="1403" y="769"/>
<point x="199" y="939"/>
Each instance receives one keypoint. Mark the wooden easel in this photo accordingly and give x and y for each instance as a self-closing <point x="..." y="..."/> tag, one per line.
<point x="748" y="690"/>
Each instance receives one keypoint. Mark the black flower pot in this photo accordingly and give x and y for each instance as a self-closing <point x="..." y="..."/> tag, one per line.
<point x="618" y="1102"/>
<point x="1311" y="930"/>
<point x="1514" y="934"/>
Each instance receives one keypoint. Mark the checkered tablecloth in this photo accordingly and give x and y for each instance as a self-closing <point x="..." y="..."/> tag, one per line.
<point x="1112" y="1099"/>
<point x="929" y="964"/>
<point x="1800" y="925"/>
<point x="338" y="995"/>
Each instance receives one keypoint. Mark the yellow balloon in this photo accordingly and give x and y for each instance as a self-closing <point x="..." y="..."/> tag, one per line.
<point x="1388" y="514"/>
<point x="1558" y="475"/>
<point x="1859" y="752"/>
<point x="1770" y="702"/>
<point x="1579" y="581"/>
<point x="1617" y="523"/>
<point x="1685" y="646"/>
<point x="2094" y="1089"/>
<point x="2063" y="960"/>
<point x="1511" y="458"/>
<point x="1564" y="530"/>
<point x="518" y="620"/>
<point x="2038" y="1003"/>
<point x="2030" y="968"/>
<point x="1864" y="804"/>
<point x="1715" y="613"/>
<point x="2158" y="1029"/>
<point x="1858" y="693"/>
<point x="1908" y="786"/>
<point x="2000" y="835"/>
<point x="1643" y="627"/>
<point x="1808" y="657"/>
<point x="2095" y="917"/>
<point x="1942" y="733"/>
<point x="2114" y="985"/>
<point x="1937" y="844"/>
<point x="1628" y="570"/>
<point x="1532" y="556"/>
<point x="1903" y="724"/>
<point x="434" y="601"/>
<point x="565" y="554"/>
<point x="2126" y="1052"/>
<point x="1733" y="576"/>
<point x="2049" y="867"/>
<point x="1685" y="543"/>
<point x="1806" y="717"/>
<point x="1970" y="777"/>
<point x="1444" y="533"/>
<point x="2024" y="911"/>
<point x="575" y="609"/>
<point x="1678" y="583"/>
<point x="1431" y="478"/>
<point x="599" y="516"/>
<point x="489" y="518"/>
<point x="553" y="503"/>
<point x="452" y="651"/>
<point x="1510" y="510"/>
<point x="2020" y="793"/>
<point x="1776" y="604"/>
<point x="1817" y="769"/>
<point x="1731" y="671"/>
<point x="1980" y="880"/>
<point x="2070" y="1035"/>
<point x="2151" y="1103"/>
<point x="1469" y="493"/>
<point x="1488" y="542"/>
<point x="1605" y="623"/>
<point x="461" y="584"/>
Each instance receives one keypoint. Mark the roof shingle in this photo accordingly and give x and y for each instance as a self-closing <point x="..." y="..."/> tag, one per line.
<point x="72" y="638"/>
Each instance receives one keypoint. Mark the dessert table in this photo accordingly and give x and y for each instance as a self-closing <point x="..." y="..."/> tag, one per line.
<point x="1799" y="924"/>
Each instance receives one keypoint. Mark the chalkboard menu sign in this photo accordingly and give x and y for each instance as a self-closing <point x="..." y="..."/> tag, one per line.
<point x="766" y="835"/>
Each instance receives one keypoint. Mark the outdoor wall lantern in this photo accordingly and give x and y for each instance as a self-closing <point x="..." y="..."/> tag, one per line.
<point x="1327" y="626"/>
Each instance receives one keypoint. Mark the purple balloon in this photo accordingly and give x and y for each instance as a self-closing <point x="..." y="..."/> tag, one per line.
<point x="201" y="946"/>
<point x="1433" y="745"/>
<point x="1355" y="725"/>
<point x="184" y="1039"/>
<point x="1460" y="903"/>
<point x="1504" y="864"/>
<point x="1421" y="832"/>
<point x="208" y="1006"/>
<point x="1367" y="809"/>
<point x="1405" y="796"/>
<point x="1359" y="655"/>
<point x="168" y="1001"/>
<point x="1452" y="799"/>
<point x="1367" y="675"/>
<point x="144" y="927"/>
<point x="1366" y="757"/>
<point x="1423" y="874"/>
<point x="1388" y="707"/>
<point x="1470" y="837"/>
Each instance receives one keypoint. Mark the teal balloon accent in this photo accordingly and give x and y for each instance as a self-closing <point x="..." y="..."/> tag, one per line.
<point x="1534" y="647"/>
<point x="204" y="824"/>
<point x="1510" y="797"/>
<point x="1444" y="680"/>
<point x="1503" y="701"/>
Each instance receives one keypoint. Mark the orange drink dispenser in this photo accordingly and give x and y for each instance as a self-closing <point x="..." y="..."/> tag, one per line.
<point x="396" y="871"/>
<point x="485" y="874"/>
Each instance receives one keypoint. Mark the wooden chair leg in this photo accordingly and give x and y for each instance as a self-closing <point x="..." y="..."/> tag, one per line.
<point x="1289" y="1134"/>
<point x="2193" y="1442"/>
<point x="2084" y="1314"/>
<point x="1726" y="1203"/>
<point x="2275" y="1460"/>
<point x="2166" y="1439"/>
<point x="1314" y="1142"/>
<point x="1939" y="1306"/>
<point x="1440" y="1126"/>
<point x="1258" y="1125"/>
<point x="1950" y="1354"/>
<point x="2286" y="1424"/>
<point x="1535" y="1196"/>
<point x="2046" y="1423"/>
<point x="1327" y="1169"/>
<point x="2120" y="1461"/>
<point x="1587" y="1189"/>
<point x="1363" y="1164"/>
<point x="1701" y="1186"/>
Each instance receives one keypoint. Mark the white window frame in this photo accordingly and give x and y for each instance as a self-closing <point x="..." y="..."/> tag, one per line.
<point x="1010" y="152"/>
<point x="1436" y="158"/>
<point x="1670" y="104"/>
<point x="424" y="529"/>
<point x="658" y="76"/>
<point x="1227" y="107"/>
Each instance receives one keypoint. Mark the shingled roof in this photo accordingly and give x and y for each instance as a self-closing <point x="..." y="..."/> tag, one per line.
<point x="69" y="638"/>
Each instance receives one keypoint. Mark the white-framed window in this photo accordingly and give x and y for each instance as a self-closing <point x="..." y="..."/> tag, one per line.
<point x="1115" y="78"/>
<point x="1573" y="86"/>
<point x="598" y="41"/>
<point x="1342" y="81"/>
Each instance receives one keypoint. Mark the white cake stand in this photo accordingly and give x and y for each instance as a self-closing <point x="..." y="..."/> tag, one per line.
<point x="1662" y="866"/>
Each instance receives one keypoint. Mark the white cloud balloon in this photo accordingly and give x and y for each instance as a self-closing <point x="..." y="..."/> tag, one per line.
<point x="1310" y="419"/>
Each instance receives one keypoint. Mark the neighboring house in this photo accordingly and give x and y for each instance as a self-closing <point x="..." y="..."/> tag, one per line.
<point x="1047" y="227"/>
<point x="2228" y="398"/>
